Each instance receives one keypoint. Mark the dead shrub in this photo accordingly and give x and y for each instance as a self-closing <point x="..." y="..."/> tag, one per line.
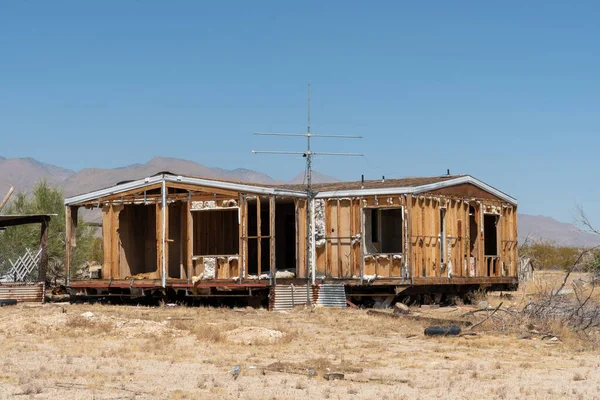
<point x="558" y="309"/>
<point x="209" y="333"/>
<point x="572" y="315"/>
<point x="316" y="366"/>
<point x="300" y="385"/>
<point x="476" y="296"/>
<point x="288" y="334"/>
<point x="91" y="325"/>
<point x="578" y="377"/>
<point x="203" y="331"/>
<point x="31" y="389"/>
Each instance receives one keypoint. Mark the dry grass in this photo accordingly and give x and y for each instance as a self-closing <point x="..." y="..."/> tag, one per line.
<point x="178" y="353"/>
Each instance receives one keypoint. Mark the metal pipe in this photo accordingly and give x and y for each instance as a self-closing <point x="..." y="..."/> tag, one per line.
<point x="313" y="258"/>
<point x="164" y="231"/>
<point x="309" y="234"/>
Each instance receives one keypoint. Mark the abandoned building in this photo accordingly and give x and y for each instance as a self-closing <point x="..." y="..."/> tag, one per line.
<point x="206" y="237"/>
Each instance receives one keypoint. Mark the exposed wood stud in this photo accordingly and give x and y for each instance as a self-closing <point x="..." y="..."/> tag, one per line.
<point x="189" y="224"/>
<point x="258" y="234"/>
<point x="340" y="261"/>
<point x="68" y="244"/>
<point x="273" y="265"/>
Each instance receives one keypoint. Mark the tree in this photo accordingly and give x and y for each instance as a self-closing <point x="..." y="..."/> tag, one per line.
<point x="45" y="199"/>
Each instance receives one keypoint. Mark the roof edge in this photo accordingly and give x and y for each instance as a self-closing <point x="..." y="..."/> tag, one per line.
<point x="254" y="189"/>
<point x="419" y="189"/>
<point x="242" y="187"/>
<point x="140" y="183"/>
<point x="467" y="179"/>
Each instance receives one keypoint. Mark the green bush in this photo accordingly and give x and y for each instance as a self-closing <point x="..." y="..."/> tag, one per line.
<point x="547" y="255"/>
<point x="45" y="199"/>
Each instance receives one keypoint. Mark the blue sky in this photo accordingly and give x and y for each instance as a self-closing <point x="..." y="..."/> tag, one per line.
<point x="507" y="92"/>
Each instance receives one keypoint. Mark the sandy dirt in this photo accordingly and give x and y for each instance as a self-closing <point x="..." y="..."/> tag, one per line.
<point x="116" y="352"/>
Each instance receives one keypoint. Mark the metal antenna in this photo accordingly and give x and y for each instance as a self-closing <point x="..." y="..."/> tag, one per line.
<point x="309" y="193"/>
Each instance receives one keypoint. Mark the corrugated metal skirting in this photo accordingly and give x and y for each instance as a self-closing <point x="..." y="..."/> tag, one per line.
<point x="23" y="291"/>
<point x="286" y="297"/>
<point x="331" y="295"/>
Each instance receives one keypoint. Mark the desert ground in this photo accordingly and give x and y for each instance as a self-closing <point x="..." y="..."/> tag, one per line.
<point x="119" y="352"/>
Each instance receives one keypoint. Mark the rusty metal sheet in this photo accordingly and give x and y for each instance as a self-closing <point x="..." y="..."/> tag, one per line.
<point x="23" y="291"/>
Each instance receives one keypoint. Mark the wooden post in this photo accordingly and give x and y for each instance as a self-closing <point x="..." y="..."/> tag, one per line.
<point x="258" y="234"/>
<point x="407" y="259"/>
<point x="328" y="241"/>
<point x="467" y="229"/>
<point x="106" y="242"/>
<point x="116" y="242"/>
<point x="245" y="236"/>
<point x="183" y="243"/>
<point x="363" y="230"/>
<point x="352" y="267"/>
<point x="272" y="234"/>
<point x="166" y="242"/>
<point x="241" y="224"/>
<point x="43" y="266"/>
<point x="67" y="245"/>
<point x="190" y="239"/>
<point x="298" y="233"/>
<point x="515" y="249"/>
<point x="159" y="238"/>
<point x="339" y="241"/>
<point x="70" y="242"/>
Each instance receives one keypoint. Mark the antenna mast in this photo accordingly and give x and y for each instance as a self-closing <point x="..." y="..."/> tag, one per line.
<point x="310" y="277"/>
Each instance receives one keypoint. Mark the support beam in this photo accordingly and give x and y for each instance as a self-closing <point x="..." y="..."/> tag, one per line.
<point x="43" y="266"/>
<point x="115" y="242"/>
<point x="363" y="230"/>
<point x="241" y="222"/>
<point x="190" y="240"/>
<point x="106" y="242"/>
<point x="126" y="194"/>
<point x="68" y="244"/>
<point x="183" y="242"/>
<point x="159" y="237"/>
<point x="164" y="233"/>
<point x="201" y="189"/>
<point x="258" y="234"/>
<point x="272" y="234"/>
<point x="244" y="236"/>
<point x="339" y="241"/>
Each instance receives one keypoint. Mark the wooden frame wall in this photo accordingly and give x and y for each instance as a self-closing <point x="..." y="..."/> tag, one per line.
<point x="343" y="255"/>
<point x="426" y="237"/>
<point x="421" y="256"/>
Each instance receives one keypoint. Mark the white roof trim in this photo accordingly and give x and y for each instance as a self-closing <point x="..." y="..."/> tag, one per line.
<point x="96" y="194"/>
<point x="140" y="183"/>
<point x="364" y="192"/>
<point x="240" y="187"/>
<point x="419" y="189"/>
<point x="462" y="180"/>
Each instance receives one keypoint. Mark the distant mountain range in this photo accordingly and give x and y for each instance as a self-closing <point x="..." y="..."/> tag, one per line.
<point x="24" y="173"/>
<point x="539" y="227"/>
